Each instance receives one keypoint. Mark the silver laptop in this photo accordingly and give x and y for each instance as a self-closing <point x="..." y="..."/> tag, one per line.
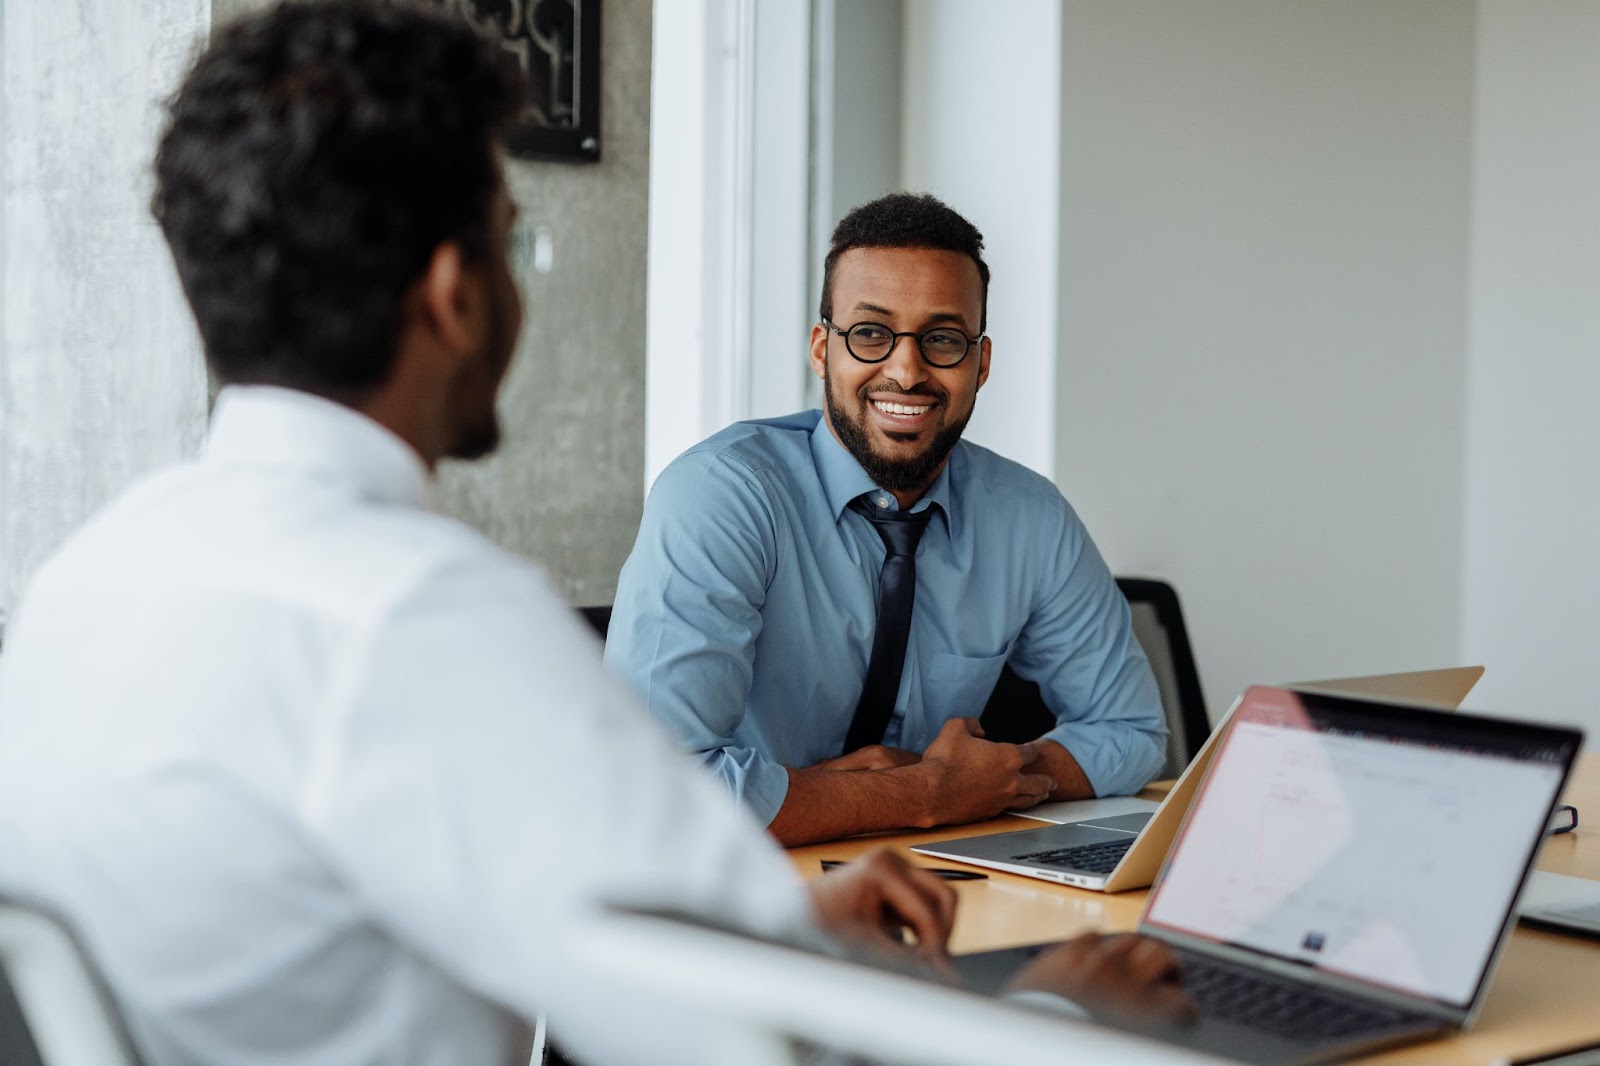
<point x="1561" y="903"/>
<point x="1116" y="844"/>
<point x="1348" y="872"/>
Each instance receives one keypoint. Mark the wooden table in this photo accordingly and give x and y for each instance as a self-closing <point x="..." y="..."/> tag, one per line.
<point x="1545" y="995"/>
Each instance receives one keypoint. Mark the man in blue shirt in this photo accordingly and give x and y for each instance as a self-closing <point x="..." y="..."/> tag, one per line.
<point x="746" y="615"/>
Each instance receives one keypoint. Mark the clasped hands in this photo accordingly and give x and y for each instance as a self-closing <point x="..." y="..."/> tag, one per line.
<point x="966" y="777"/>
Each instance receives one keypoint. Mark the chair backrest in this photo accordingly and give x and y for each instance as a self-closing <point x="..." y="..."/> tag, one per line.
<point x="53" y="1009"/>
<point x="1158" y="623"/>
<point x="599" y="618"/>
<point x="1016" y="710"/>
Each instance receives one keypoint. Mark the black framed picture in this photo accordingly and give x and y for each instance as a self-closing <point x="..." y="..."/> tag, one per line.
<point x="556" y="44"/>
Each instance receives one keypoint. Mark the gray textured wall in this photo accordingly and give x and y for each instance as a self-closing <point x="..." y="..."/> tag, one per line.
<point x="100" y="376"/>
<point x="868" y="73"/>
<point x="567" y="484"/>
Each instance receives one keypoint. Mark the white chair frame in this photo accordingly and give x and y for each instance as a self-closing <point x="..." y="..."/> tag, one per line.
<point x="765" y="997"/>
<point x="68" y="1015"/>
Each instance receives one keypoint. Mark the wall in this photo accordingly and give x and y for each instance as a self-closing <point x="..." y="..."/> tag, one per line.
<point x="564" y="487"/>
<point x="3" y="523"/>
<point x="1531" y="573"/>
<point x="101" y="372"/>
<point x="864" y="119"/>
<point x="1263" y="239"/>
<point x="981" y="87"/>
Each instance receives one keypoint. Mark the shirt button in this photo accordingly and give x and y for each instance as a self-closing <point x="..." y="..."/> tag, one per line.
<point x="883" y="501"/>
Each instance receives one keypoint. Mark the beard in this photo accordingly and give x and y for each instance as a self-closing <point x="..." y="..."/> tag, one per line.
<point x="479" y="431"/>
<point x="912" y="474"/>
<point x="478" y="441"/>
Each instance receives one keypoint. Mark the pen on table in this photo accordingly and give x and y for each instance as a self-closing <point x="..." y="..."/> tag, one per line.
<point x="949" y="873"/>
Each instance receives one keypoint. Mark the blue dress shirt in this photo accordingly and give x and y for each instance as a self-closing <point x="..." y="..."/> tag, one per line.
<point x="744" y="616"/>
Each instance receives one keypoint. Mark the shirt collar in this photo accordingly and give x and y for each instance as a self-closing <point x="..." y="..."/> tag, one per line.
<point x="271" y="427"/>
<point x="843" y="479"/>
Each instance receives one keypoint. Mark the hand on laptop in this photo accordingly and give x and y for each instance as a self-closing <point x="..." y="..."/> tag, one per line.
<point x="973" y="778"/>
<point x="867" y="904"/>
<point x="1122" y="978"/>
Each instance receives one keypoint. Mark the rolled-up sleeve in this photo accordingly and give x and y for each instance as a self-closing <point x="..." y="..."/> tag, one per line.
<point x="1079" y="646"/>
<point x="688" y="612"/>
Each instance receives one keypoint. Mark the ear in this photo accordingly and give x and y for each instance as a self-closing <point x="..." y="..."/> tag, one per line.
<point x="447" y="300"/>
<point x="983" y="361"/>
<point x="819" y="350"/>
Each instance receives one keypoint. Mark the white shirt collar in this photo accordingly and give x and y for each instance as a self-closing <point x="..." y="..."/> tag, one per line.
<point x="270" y="427"/>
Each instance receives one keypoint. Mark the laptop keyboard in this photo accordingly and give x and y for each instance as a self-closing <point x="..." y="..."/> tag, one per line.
<point x="1095" y="858"/>
<point x="1280" y="1007"/>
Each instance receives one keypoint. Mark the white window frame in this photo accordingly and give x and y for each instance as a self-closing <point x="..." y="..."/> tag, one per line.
<point x="730" y="218"/>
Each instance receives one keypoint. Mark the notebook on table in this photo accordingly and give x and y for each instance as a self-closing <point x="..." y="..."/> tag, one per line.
<point x="1116" y="844"/>
<point x="1348" y="873"/>
<point x="1561" y="903"/>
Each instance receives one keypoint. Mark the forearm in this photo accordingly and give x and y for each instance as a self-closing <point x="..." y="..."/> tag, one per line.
<point x="826" y="804"/>
<point x="1056" y="761"/>
<point x="960" y="778"/>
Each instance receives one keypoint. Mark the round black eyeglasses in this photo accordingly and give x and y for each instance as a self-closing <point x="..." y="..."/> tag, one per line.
<point x="871" y="342"/>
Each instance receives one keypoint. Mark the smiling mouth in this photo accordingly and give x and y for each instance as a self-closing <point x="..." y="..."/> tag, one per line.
<point x="904" y="409"/>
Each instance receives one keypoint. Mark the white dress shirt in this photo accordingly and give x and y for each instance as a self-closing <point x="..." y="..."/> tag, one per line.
<point x="321" y="776"/>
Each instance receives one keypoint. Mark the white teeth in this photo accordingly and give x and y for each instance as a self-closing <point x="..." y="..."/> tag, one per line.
<point x="899" y="408"/>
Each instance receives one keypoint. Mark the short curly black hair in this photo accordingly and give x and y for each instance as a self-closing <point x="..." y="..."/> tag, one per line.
<point x="313" y="159"/>
<point x="904" y="220"/>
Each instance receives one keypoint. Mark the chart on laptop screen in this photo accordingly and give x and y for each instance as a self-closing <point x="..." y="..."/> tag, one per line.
<point x="1375" y="856"/>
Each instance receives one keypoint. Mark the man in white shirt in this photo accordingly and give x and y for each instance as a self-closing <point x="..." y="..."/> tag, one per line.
<point x="317" y="774"/>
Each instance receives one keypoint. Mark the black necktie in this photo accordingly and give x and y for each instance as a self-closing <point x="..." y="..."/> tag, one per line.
<point x="897" y="589"/>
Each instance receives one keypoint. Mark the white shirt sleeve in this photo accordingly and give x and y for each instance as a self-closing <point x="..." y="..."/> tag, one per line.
<point x="481" y="781"/>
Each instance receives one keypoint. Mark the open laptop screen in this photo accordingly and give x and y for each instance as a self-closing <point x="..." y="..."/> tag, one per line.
<point x="1380" y="843"/>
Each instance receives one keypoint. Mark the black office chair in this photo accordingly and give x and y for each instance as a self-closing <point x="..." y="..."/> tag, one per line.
<point x="1016" y="710"/>
<point x="599" y="618"/>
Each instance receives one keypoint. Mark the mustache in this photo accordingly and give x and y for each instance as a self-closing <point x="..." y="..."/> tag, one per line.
<point x="890" y="385"/>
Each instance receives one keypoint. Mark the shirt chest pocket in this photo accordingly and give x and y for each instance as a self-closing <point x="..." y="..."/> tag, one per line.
<point x="959" y="685"/>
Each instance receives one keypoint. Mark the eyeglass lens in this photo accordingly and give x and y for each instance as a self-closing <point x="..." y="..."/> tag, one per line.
<point x="871" y="342"/>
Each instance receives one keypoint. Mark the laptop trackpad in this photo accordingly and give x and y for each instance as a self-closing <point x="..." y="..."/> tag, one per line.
<point x="1127" y="823"/>
<point x="1006" y="847"/>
